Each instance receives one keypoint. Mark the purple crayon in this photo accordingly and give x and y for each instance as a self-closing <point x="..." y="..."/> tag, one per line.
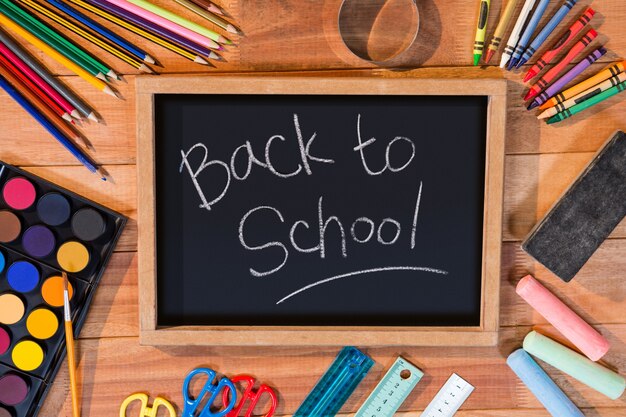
<point x="565" y="79"/>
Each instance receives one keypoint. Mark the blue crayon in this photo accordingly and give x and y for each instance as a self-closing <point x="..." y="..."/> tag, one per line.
<point x="546" y="31"/>
<point x="542" y="387"/>
<point x="528" y="33"/>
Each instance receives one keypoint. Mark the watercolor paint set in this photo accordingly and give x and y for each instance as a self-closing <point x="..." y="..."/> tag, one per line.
<point x="44" y="230"/>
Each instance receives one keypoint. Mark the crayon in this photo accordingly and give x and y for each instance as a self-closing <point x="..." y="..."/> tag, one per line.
<point x="549" y="76"/>
<point x="563" y="318"/>
<point x="515" y="34"/>
<point x="585" y="85"/>
<point x="588" y="103"/>
<point x="561" y="43"/>
<point x="546" y="31"/>
<point x="568" y="77"/>
<point x="585" y="95"/>
<point x="541" y="385"/>
<point x="574" y="364"/>
<point x="481" y="30"/>
<point x="528" y="33"/>
<point x="503" y="25"/>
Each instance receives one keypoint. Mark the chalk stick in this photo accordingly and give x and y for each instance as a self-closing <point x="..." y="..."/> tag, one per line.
<point x="570" y="324"/>
<point x="585" y="215"/>
<point x="542" y="387"/>
<point x="574" y="364"/>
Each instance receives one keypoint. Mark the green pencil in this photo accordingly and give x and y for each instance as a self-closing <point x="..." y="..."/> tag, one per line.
<point x="57" y="41"/>
<point x="481" y="30"/>
<point x="567" y="113"/>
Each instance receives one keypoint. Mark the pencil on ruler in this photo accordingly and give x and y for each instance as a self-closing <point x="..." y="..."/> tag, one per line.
<point x="56" y="40"/>
<point x="64" y="91"/>
<point x="211" y="7"/>
<point x="503" y="25"/>
<point x="130" y="60"/>
<point x="211" y="17"/>
<point x="154" y="28"/>
<point x="141" y="32"/>
<point x="52" y="53"/>
<point x="69" y="344"/>
<point x="516" y="32"/>
<point x="172" y="25"/>
<point x="67" y="143"/>
<point x="598" y="98"/>
<point x="46" y="111"/>
<point x="104" y="32"/>
<point x="40" y="82"/>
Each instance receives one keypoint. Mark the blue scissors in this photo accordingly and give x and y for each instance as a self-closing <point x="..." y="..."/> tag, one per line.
<point x="208" y="390"/>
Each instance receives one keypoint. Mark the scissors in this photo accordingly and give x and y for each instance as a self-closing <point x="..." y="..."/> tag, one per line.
<point x="191" y="405"/>
<point x="250" y="394"/>
<point x="145" y="410"/>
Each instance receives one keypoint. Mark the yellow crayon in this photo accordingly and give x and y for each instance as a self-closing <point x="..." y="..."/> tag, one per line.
<point x="481" y="30"/>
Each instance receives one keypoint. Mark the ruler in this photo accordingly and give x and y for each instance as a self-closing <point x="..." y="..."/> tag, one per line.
<point x="449" y="398"/>
<point x="392" y="390"/>
<point x="336" y="385"/>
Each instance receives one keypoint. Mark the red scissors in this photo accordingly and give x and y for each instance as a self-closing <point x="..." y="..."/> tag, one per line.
<point x="251" y="394"/>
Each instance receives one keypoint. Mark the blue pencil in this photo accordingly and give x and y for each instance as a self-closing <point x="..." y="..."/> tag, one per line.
<point x="96" y="27"/>
<point x="528" y="33"/>
<point x="68" y="144"/>
<point x="546" y="31"/>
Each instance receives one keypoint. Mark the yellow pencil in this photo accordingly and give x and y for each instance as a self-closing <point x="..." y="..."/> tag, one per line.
<point x="99" y="84"/>
<point x="129" y="59"/>
<point x="69" y="342"/>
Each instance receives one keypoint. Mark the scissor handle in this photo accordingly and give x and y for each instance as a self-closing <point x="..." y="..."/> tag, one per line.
<point x="250" y="394"/>
<point x="191" y="406"/>
<point x="145" y="410"/>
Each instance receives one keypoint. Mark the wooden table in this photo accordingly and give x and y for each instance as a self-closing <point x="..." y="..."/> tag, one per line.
<point x="298" y="36"/>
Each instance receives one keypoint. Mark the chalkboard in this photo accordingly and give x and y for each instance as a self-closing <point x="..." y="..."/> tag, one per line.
<point x="335" y="210"/>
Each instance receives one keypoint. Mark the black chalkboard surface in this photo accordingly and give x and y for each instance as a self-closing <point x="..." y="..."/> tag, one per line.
<point x="319" y="210"/>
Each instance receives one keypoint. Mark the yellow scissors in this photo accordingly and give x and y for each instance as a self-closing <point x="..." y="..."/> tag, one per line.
<point x="145" y="410"/>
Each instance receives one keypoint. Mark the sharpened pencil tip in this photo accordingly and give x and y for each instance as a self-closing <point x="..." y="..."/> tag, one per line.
<point x="201" y="60"/>
<point x="146" y="68"/>
<point x="104" y="175"/>
<point x="216" y="57"/>
<point x="102" y="77"/>
<point x="213" y="8"/>
<point x="112" y="92"/>
<point x="76" y="115"/>
<point x="92" y="116"/>
<point x="149" y="59"/>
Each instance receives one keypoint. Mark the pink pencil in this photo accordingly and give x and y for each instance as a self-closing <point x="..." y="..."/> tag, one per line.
<point x="174" y="27"/>
<point x="40" y="82"/>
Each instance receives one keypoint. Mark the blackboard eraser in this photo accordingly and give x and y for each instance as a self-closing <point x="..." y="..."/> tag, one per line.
<point x="585" y="215"/>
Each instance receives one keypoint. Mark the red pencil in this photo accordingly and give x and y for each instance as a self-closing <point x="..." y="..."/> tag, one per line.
<point x="551" y="75"/>
<point x="558" y="46"/>
<point x="34" y="88"/>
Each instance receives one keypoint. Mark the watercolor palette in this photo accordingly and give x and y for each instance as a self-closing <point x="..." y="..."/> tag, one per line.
<point x="44" y="230"/>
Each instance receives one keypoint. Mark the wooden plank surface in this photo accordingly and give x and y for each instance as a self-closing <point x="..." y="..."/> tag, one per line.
<point x="299" y="37"/>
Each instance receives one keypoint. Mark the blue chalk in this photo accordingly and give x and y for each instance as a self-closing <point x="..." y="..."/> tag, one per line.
<point x="542" y="387"/>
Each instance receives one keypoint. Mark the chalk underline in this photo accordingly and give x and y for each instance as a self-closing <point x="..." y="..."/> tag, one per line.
<point x="363" y="272"/>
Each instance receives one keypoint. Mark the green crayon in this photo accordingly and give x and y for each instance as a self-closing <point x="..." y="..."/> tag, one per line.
<point x="567" y="113"/>
<point x="481" y="30"/>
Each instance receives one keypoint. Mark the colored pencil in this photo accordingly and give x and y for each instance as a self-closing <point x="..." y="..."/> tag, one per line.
<point x="161" y="20"/>
<point x="528" y="32"/>
<point x="32" y="86"/>
<point x="515" y="34"/>
<point x="68" y="94"/>
<point x="560" y="44"/>
<point x="546" y="31"/>
<point x="549" y="76"/>
<point x="157" y="39"/>
<point x="42" y="107"/>
<point x="211" y="7"/>
<point x="40" y="82"/>
<point x="102" y="31"/>
<point x="69" y="344"/>
<point x="67" y="143"/>
<point x="585" y="95"/>
<point x="113" y="50"/>
<point x="605" y="95"/>
<point x="57" y="41"/>
<point x="567" y="78"/>
<point x="52" y="53"/>
<point x="605" y="74"/>
<point x="481" y="30"/>
<point x="503" y="25"/>
<point x="211" y="17"/>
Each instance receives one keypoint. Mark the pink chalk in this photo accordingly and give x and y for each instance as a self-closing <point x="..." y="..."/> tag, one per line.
<point x="570" y="324"/>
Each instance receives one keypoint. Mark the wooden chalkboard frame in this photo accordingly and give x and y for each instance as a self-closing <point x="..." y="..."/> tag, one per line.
<point x="486" y="334"/>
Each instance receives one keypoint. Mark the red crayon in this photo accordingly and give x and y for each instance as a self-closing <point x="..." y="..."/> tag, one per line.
<point x="551" y="75"/>
<point x="550" y="54"/>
